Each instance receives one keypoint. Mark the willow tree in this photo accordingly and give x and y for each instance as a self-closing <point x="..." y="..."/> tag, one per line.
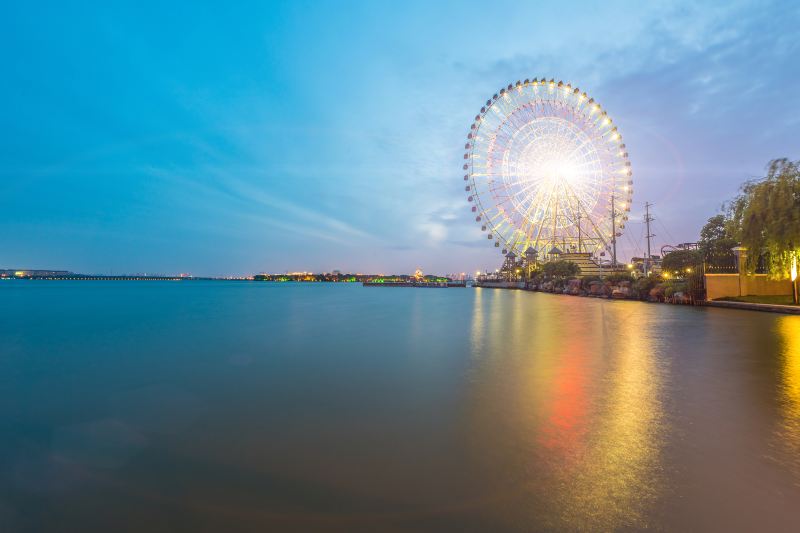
<point x="765" y="217"/>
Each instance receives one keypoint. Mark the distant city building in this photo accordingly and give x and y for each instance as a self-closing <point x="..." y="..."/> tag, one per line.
<point x="28" y="273"/>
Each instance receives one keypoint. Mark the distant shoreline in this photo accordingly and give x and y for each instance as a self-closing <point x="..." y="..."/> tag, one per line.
<point x="297" y="277"/>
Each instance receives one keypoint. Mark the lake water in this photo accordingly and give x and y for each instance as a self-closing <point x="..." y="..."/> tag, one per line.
<point x="239" y="406"/>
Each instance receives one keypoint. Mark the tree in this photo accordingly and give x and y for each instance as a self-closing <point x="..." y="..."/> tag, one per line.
<point x="681" y="260"/>
<point x="716" y="239"/>
<point x="714" y="229"/>
<point x="766" y="217"/>
<point x="561" y="269"/>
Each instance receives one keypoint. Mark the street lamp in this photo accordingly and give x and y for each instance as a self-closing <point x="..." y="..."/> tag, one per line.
<point x="794" y="279"/>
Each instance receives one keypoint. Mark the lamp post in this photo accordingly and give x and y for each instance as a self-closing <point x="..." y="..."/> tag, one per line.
<point x="795" y="297"/>
<point x="741" y="260"/>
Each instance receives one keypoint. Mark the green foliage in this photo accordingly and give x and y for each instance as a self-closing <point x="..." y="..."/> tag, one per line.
<point x="560" y="270"/>
<point x="716" y="240"/>
<point x="680" y="260"/>
<point x="765" y="217"/>
<point x="643" y="286"/>
<point x="437" y="279"/>
<point x="671" y="287"/>
<point x="619" y="276"/>
<point x="714" y="230"/>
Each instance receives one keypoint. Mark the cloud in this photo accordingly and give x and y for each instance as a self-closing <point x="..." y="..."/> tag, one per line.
<point x="337" y="228"/>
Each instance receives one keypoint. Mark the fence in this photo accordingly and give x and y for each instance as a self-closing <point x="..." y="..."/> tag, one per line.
<point x="728" y="263"/>
<point x="723" y="263"/>
<point x="726" y="275"/>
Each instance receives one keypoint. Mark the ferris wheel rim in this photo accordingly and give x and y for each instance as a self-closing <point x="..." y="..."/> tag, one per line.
<point x="482" y="206"/>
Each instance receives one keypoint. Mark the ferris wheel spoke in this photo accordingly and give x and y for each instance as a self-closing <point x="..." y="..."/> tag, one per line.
<point x="599" y="233"/>
<point x="541" y="163"/>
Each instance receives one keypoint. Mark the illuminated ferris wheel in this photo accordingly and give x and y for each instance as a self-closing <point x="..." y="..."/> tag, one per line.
<point x="546" y="169"/>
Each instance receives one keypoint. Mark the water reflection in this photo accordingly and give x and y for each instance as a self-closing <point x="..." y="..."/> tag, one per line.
<point x="789" y="330"/>
<point x="564" y="430"/>
<point x="571" y="403"/>
<point x="617" y="479"/>
<point x="342" y="408"/>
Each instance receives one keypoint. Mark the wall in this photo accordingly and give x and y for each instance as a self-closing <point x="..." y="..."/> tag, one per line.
<point x="721" y="285"/>
<point x="758" y="284"/>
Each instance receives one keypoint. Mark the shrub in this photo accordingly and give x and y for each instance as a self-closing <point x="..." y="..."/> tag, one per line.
<point x="587" y="280"/>
<point x="643" y="285"/>
<point x="671" y="287"/>
<point x="617" y="277"/>
<point x="560" y="269"/>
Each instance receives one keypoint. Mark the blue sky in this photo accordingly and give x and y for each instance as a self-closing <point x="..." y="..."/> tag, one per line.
<point x="237" y="138"/>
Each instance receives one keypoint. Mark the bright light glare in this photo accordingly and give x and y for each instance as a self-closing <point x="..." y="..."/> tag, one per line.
<point x="558" y="170"/>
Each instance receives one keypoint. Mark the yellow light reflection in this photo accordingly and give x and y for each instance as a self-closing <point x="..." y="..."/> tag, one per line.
<point x="567" y="425"/>
<point x="789" y="330"/>
<point x="616" y="482"/>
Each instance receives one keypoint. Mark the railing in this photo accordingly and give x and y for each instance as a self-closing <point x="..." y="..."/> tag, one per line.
<point x="728" y="263"/>
<point x="762" y="265"/>
<point x="725" y="263"/>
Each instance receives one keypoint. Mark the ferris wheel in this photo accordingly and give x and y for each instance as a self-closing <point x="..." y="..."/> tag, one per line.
<point x="546" y="170"/>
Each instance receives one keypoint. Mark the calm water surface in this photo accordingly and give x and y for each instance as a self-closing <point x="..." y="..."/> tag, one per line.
<point x="236" y="406"/>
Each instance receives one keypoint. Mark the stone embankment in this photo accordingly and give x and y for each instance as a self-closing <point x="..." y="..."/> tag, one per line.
<point x="639" y="290"/>
<point x="617" y="290"/>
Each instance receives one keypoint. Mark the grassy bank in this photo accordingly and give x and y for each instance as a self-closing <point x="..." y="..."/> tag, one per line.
<point x="773" y="300"/>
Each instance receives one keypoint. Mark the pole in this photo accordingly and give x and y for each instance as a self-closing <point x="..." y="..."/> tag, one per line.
<point x="647" y="220"/>
<point x="555" y="221"/>
<point x="613" y="234"/>
<point x="580" y="247"/>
